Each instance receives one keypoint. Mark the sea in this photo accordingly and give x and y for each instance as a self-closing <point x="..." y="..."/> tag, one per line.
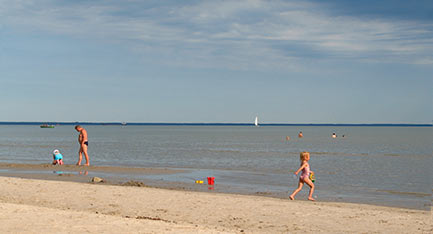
<point x="380" y="165"/>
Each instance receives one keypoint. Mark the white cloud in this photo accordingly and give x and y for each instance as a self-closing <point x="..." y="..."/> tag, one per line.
<point x="235" y="34"/>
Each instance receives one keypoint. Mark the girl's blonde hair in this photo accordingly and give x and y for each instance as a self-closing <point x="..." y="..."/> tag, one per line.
<point x="304" y="155"/>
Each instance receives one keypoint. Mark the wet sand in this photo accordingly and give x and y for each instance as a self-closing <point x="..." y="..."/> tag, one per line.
<point x="59" y="206"/>
<point x="49" y="167"/>
<point x="183" y="179"/>
<point x="112" y="175"/>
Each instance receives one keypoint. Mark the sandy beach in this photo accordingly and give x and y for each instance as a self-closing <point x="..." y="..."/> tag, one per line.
<point x="44" y="206"/>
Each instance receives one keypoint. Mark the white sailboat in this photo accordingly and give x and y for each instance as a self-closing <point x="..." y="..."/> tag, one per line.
<point x="256" y="122"/>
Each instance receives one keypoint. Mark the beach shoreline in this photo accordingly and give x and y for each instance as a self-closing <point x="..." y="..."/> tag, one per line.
<point x="120" y="175"/>
<point x="166" y="210"/>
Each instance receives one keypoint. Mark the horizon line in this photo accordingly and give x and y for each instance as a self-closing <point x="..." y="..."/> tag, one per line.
<point x="210" y="123"/>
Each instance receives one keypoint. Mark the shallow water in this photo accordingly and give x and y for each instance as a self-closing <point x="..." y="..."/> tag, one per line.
<point x="377" y="165"/>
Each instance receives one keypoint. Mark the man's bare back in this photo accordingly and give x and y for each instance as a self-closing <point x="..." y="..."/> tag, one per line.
<point x="84" y="143"/>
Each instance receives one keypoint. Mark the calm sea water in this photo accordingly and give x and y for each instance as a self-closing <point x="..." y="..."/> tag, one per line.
<point x="378" y="165"/>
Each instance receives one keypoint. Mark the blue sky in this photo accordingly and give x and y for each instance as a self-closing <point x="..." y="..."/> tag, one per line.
<point x="217" y="61"/>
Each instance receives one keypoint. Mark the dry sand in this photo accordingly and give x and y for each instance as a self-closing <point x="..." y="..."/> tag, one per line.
<point x="41" y="206"/>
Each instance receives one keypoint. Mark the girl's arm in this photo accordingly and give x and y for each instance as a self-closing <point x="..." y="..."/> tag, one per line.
<point x="304" y="164"/>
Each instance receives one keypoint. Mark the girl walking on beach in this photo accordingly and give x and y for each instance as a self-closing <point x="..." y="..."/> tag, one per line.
<point x="305" y="176"/>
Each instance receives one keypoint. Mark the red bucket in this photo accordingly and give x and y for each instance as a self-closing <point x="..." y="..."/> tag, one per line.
<point x="211" y="180"/>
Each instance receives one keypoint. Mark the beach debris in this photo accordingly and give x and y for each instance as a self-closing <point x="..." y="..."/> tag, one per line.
<point x="149" y="218"/>
<point x="134" y="183"/>
<point x="97" y="180"/>
<point x="264" y="193"/>
<point x="154" y="218"/>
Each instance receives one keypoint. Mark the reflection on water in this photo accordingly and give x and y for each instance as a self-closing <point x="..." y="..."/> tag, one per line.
<point x="81" y="173"/>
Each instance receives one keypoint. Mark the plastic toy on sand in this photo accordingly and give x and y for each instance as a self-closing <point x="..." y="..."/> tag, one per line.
<point x="211" y="180"/>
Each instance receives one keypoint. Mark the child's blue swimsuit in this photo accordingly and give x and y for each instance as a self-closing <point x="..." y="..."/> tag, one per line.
<point x="58" y="156"/>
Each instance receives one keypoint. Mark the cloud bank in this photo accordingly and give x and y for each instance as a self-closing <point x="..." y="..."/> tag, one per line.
<point x="240" y="34"/>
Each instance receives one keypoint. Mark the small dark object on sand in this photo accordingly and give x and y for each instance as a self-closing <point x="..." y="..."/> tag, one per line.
<point x="154" y="218"/>
<point x="134" y="183"/>
<point x="149" y="218"/>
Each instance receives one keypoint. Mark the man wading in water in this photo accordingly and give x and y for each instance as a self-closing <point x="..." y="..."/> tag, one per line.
<point x="82" y="140"/>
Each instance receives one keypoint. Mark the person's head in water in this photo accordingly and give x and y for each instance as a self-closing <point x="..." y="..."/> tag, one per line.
<point x="78" y="128"/>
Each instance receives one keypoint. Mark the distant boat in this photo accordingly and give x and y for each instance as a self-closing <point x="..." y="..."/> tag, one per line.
<point x="256" y="122"/>
<point x="124" y="123"/>
<point x="47" y="126"/>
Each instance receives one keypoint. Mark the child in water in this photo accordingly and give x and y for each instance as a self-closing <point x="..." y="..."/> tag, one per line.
<point x="57" y="157"/>
<point x="305" y="176"/>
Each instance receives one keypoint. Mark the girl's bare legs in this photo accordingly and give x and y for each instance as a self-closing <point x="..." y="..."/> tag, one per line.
<point x="300" y="184"/>
<point x="311" y="184"/>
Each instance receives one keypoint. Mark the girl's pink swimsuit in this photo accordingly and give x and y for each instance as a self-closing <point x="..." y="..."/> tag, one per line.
<point x="305" y="172"/>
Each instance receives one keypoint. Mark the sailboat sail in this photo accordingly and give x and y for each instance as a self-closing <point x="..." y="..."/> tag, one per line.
<point x="256" y="122"/>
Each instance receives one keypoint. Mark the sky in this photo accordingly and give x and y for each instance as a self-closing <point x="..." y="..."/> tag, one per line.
<point x="217" y="61"/>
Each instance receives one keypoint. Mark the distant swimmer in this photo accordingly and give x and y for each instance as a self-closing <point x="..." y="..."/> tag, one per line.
<point x="334" y="135"/>
<point x="84" y="143"/>
<point x="300" y="135"/>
